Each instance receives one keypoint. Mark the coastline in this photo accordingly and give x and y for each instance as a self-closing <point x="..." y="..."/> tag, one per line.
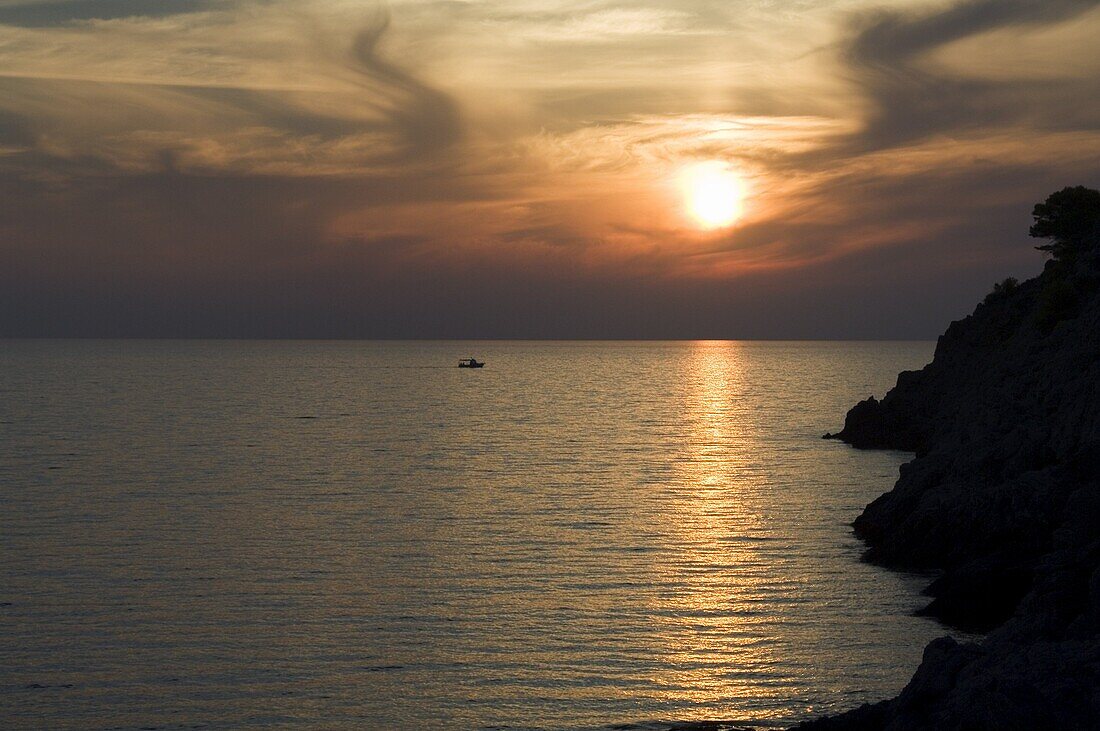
<point x="1002" y="500"/>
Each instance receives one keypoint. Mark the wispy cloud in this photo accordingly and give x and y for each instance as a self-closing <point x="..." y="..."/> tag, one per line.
<point x="254" y="87"/>
<point x="911" y="99"/>
<point x="46" y="13"/>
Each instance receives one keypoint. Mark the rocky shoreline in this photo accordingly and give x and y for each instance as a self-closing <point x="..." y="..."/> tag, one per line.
<point x="1003" y="501"/>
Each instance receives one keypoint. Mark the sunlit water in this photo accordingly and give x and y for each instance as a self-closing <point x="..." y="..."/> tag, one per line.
<point x="333" y="535"/>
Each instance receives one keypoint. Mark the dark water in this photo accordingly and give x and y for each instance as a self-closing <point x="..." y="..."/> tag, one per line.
<point x="335" y="535"/>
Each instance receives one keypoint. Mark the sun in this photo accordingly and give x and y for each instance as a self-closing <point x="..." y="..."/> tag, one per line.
<point x="713" y="193"/>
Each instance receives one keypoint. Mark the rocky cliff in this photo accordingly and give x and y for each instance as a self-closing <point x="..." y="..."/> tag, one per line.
<point x="1003" y="498"/>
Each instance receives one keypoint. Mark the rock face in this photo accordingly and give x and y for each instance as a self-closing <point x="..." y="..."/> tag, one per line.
<point x="1003" y="498"/>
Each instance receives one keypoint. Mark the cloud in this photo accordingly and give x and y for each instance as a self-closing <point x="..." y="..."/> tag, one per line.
<point x="427" y="119"/>
<point x="910" y="100"/>
<point x="261" y="87"/>
<point x="60" y="12"/>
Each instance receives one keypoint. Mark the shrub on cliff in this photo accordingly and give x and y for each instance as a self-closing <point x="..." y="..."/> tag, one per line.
<point x="1058" y="300"/>
<point x="1002" y="289"/>
<point x="1069" y="218"/>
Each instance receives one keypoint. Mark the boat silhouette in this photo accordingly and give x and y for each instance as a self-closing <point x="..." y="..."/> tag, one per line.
<point x="470" y="363"/>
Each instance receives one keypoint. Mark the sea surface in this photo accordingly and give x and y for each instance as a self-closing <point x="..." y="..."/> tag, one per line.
<point x="341" y="535"/>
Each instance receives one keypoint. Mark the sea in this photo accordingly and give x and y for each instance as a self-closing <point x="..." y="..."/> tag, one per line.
<point x="358" y="534"/>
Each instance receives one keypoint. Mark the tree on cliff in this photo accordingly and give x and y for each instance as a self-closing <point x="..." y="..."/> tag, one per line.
<point x="1068" y="218"/>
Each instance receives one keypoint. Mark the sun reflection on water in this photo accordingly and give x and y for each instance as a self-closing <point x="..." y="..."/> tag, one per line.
<point x="715" y="636"/>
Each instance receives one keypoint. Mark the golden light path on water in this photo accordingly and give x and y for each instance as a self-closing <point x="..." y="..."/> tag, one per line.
<point x="703" y="521"/>
<point x="713" y="525"/>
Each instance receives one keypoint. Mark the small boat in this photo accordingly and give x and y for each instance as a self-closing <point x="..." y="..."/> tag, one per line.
<point x="470" y="363"/>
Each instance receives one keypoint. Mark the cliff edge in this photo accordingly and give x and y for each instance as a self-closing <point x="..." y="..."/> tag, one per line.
<point x="1003" y="499"/>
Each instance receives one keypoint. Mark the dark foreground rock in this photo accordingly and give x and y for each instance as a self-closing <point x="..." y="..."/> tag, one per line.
<point x="1003" y="498"/>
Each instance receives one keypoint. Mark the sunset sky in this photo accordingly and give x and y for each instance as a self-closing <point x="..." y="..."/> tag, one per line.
<point x="512" y="168"/>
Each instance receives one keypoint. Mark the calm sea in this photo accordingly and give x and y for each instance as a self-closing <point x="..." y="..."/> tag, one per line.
<point x="359" y="534"/>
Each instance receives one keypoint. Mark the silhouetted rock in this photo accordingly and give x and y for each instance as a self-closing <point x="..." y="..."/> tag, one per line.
<point x="1004" y="499"/>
